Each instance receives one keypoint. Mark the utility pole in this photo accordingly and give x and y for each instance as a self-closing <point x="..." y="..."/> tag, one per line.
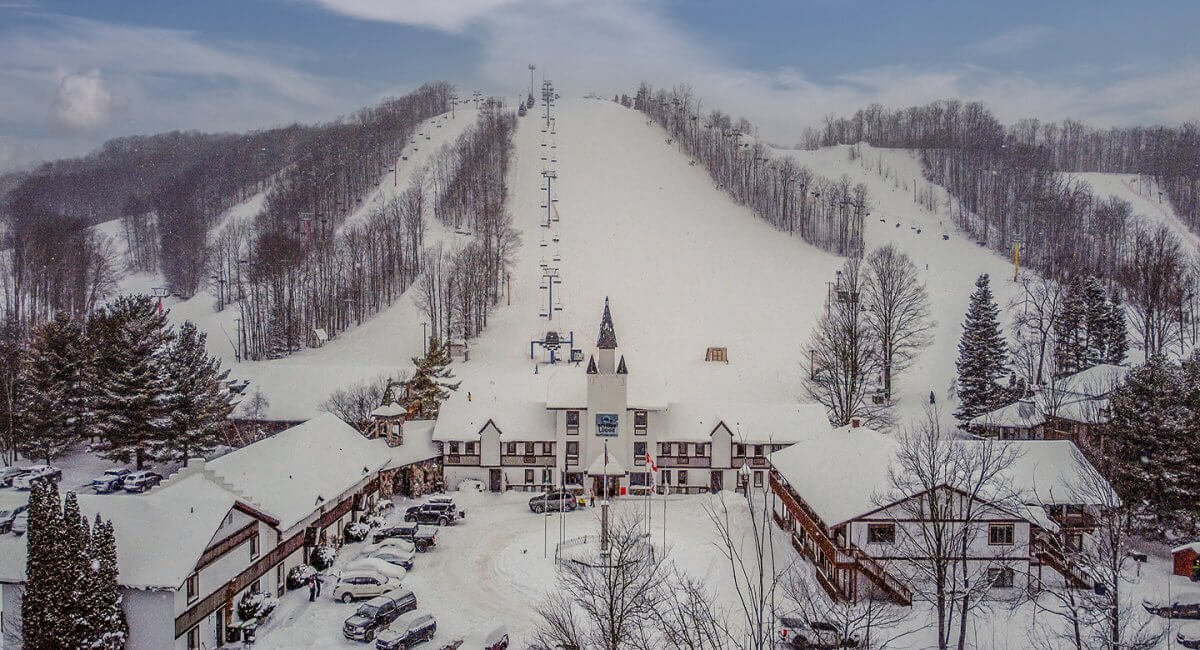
<point x="532" y="67"/>
<point x="1017" y="241"/>
<point x="552" y="277"/>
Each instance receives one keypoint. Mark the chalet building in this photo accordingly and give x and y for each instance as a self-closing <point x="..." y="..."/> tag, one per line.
<point x="598" y="425"/>
<point x="189" y="549"/>
<point x="862" y="535"/>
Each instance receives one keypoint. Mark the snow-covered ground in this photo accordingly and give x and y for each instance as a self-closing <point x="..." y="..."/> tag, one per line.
<point x="1144" y="195"/>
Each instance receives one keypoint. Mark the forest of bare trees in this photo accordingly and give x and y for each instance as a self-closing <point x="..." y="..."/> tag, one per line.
<point x="826" y="213"/>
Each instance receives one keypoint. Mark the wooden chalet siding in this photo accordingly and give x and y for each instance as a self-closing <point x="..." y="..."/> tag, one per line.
<point x="462" y="459"/>
<point x="531" y="460"/>
<point x="755" y="462"/>
<point x="216" y="599"/>
<point x="216" y="551"/>
<point x="684" y="462"/>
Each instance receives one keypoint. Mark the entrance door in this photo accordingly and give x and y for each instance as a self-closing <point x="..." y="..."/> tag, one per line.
<point x="220" y="628"/>
<point x="715" y="482"/>
<point x="494" y="479"/>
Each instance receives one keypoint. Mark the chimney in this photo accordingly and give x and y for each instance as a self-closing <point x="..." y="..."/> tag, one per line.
<point x="855" y="423"/>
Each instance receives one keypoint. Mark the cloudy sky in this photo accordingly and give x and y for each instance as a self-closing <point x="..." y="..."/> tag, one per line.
<point x="75" y="73"/>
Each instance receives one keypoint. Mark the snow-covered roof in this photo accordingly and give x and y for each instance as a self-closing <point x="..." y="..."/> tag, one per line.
<point x="160" y="535"/>
<point x="460" y="419"/>
<point x="1096" y="381"/>
<point x="1047" y="472"/>
<point x="321" y="334"/>
<point x="286" y="473"/>
<point x="567" y="389"/>
<point x="389" y="410"/>
<point x="754" y="422"/>
<point x="418" y="444"/>
<point x="1194" y="546"/>
<point x="1022" y="414"/>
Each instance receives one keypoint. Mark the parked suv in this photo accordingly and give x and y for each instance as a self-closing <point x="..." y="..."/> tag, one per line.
<point x="359" y="584"/>
<point x="799" y="633"/>
<point x="407" y="631"/>
<point x="7" y="516"/>
<point x="422" y="538"/>
<point x="141" y="481"/>
<point x="375" y="614"/>
<point x="8" y="474"/>
<point x="556" y="500"/>
<point x="442" y="514"/>
<point x="110" y="481"/>
<point x="37" y="473"/>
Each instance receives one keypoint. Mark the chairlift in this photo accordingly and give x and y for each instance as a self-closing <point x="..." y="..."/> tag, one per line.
<point x="543" y="285"/>
<point x="557" y="257"/>
<point x="554" y="160"/>
<point x="555" y="239"/>
<point x="543" y="313"/>
<point x="403" y="157"/>
<point x="557" y="305"/>
<point x="945" y="237"/>
<point x="542" y="243"/>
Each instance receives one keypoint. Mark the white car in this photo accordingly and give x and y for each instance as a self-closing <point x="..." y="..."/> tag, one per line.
<point x="36" y="473"/>
<point x="396" y="557"/>
<point x="1189" y="636"/>
<point x="390" y="544"/>
<point x="358" y="584"/>
<point x="20" y="523"/>
<point x="382" y="567"/>
<point x="486" y="636"/>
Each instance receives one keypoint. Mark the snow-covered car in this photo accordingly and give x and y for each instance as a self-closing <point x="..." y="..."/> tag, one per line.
<point x="486" y="636"/>
<point x="390" y="544"/>
<point x="379" y="566"/>
<point x="407" y="631"/>
<point x="110" y="481"/>
<point x="141" y="481"/>
<point x="9" y="515"/>
<point x="20" y="523"/>
<point x="442" y="514"/>
<point x="422" y="538"/>
<point x="358" y="584"/>
<point x="37" y="473"/>
<point x="799" y="633"/>
<point x="1189" y="636"/>
<point x="1174" y="609"/>
<point x="10" y="473"/>
<point x="377" y="613"/>
<point x="396" y="557"/>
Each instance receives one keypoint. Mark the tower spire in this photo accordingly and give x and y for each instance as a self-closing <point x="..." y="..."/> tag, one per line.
<point x="608" y="335"/>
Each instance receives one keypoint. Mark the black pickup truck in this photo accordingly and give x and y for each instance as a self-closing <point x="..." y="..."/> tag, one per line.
<point x="422" y="538"/>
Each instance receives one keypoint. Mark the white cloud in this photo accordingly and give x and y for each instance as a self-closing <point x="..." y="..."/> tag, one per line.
<point x="1012" y="41"/>
<point x="83" y="102"/>
<point x="444" y="15"/>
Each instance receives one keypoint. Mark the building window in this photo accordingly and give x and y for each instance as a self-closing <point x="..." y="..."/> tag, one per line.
<point x="639" y="478"/>
<point x="280" y="582"/>
<point x="1074" y="541"/>
<point x="529" y="449"/>
<point x="254" y="546"/>
<point x="193" y="587"/>
<point x="666" y="477"/>
<point x="454" y="448"/>
<point x="639" y="453"/>
<point x="1001" y="577"/>
<point x="881" y="533"/>
<point x="572" y="421"/>
<point x="547" y="448"/>
<point x="573" y="451"/>
<point x="640" y="420"/>
<point x="681" y="477"/>
<point x="193" y="638"/>
<point x="547" y="476"/>
<point x="469" y="448"/>
<point x="739" y="450"/>
<point x="758" y="478"/>
<point x="512" y="449"/>
<point x="528" y="476"/>
<point x="716" y="354"/>
<point x="1001" y="534"/>
<point x="702" y="450"/>
<point x="256" y="587"/>
<point x="758" y="450"/>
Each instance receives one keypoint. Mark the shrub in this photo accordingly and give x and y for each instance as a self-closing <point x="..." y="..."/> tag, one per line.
<point x="356" y="532"/>
<point x="298" y="576"/>
<point x="322" y="557"/>
<point x="256" y="604"/>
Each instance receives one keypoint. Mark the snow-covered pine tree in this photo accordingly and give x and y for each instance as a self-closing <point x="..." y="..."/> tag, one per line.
<point x="131" y="337"/>
<point x="1097" y="317"/>
<point x="1147" y="446"/>
<point x="106" y="619"/>
<point x="431" y="385"/>
<point x="196" y="401"/>
<point x="1118" y="332"/>
<point x="1190" y="386"/>
<point x="50" y="372"/>
<point x="44" y="620"/>
<point x="77" y="563"/>
<point x="982" y="356"/>
<point x="1070" y="330"/>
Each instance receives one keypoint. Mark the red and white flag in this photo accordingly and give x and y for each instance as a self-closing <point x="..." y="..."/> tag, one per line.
<point x="650" y="462"/>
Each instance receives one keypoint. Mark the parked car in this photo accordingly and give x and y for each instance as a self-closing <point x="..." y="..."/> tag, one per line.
<point x="407" y="631"/>
<point x="141" y="481"/>
<point x="1189" y="636"/>
<point x="395" y="556"/>
<point x="799" y="633"/>
<point x="356" y="584"/>
<point x="442" y="514"/>
<point x="37" y="473"/>
<point x="375" y="614"/>
<point x="8" y="516"/>
<point x="487" y="636"/>
<point x="20" y="523"/>
<point x="377" y="565"/>
<point x="422" y="538"/>
<point x="8" y="474"/>
<point x="556" y="500"/>
<point x="110" y="481"/>
<point x="389" y="544"/>
<point x="1174" y="610"/>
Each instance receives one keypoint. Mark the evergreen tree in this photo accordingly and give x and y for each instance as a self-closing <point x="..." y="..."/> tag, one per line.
<point x="1097" y="315"/>
<point x="44" y="621"/>
<point x="11" y="350"/>
<point x="431" y="385"/>
<point x="196" y="401"/>
<point x="1118" y="341"/>
<point x="77" y="563"/>
<point x="982" y="356"/>
<point x="50" y="403"/>
<point x="1190" y="396"/>
<point x="1147" y="448"/>
<point x="1070" y="331"/>
<point x="106" y="624"/>
<point x="131" y="339"/>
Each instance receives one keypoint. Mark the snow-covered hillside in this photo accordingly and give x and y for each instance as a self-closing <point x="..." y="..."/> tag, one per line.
<point x="1149" y="202"/>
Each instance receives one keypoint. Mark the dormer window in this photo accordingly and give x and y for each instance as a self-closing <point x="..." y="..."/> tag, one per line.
<point x="716" y="354"/>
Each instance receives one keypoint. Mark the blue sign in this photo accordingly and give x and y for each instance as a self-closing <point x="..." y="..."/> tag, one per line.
<point x="606" y="424"/>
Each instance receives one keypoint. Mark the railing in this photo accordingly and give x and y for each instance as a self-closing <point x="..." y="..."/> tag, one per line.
<point x="688" y="461"/>
<point x="1063" y="566"/>
<point x="456" y="459"/>
<point x="884" y="580"/>
<point x="755" y="462"/>
<point x="522" y="459"/>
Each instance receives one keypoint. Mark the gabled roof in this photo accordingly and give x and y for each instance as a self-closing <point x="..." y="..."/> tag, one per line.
<point x="418" y="445"/>
<point x="460" y="419"/>
<point x="292" y="473"/>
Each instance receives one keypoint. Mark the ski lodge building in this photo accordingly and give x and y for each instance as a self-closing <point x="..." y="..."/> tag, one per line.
<point x="597" y="427"/>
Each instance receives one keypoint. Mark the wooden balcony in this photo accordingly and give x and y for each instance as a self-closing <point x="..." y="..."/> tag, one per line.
<point x="684" y="461"/>
<point x="527" y="460"/>
<point x="755" y="462"/>
<point x="456" y="459"/>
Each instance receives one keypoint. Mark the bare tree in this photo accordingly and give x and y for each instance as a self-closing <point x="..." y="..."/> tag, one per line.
<point x="873" y="619"/>
<point x="354" y="403"/>
<point x="1034" y="313"/>
<point x="1155" y="276"/>
<point x="688" y="618"/>
<point x="897" y="310"/>
<point x="750" y="553"/>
